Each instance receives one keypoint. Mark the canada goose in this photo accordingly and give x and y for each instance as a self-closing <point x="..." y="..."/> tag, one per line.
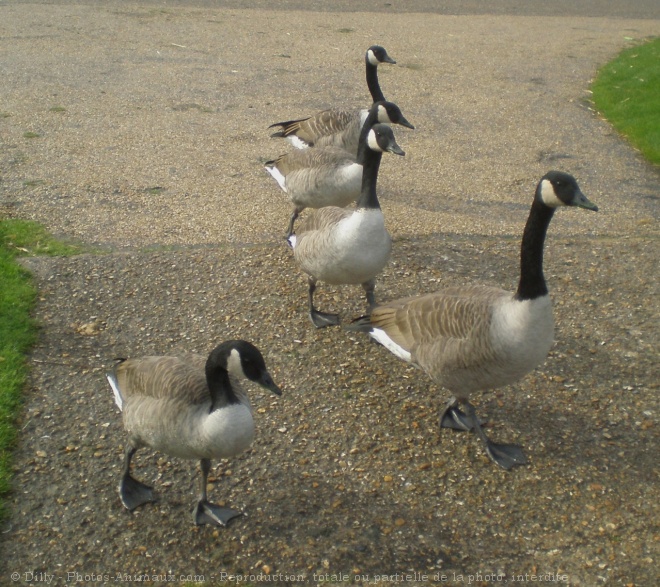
<point x="478" y="337"/>
<point x="190" y="407"/>
<point x="305" y="132"/>
<point x="327" y="176"/>
<point x="344" y="246"/>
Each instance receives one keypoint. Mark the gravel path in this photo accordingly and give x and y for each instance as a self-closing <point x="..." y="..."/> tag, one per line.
<point x="152" y="130"/>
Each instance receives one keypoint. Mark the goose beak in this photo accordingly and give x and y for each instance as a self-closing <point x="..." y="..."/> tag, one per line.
<point x="394" y="148"/>
<point x="267" y="382"/>
<point x="388" y="59"/>
<point x="404" y="122"/>
<point x="581" y="201"/>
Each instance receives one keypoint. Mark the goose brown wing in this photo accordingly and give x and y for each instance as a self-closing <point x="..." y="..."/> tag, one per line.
<point x="307" y="160"/>
<point x="164" y="378"/>
<point x="320" y="220"/>
<point x="443" y="330"/>
<point x="320" y="124"/>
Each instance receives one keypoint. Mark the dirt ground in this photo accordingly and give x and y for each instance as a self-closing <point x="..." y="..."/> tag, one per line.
<point x="140" y="131"/>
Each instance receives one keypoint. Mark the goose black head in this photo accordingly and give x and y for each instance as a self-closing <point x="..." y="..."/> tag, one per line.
<point x="377" y="54"/>
<point x="391" y="113"/>
<point x="381" y="138"/>
<point x="558" y="188"/>
<point x="243" y="359"/>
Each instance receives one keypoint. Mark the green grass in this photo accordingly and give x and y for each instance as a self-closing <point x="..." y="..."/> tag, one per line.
<point x="627" y="92"/>
<point x="18" y="330"/>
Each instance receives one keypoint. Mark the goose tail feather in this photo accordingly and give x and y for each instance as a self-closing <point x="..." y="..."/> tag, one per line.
<point x="114" y="385"/>
<point x="361" y="324"/>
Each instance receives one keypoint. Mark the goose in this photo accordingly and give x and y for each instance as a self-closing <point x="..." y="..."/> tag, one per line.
<point x="478" y="337"/>
<point x="326" y="176"/>
<point x="189" y="406"/>
<point x="348" y="246"/>
<point x="305" y="132"/>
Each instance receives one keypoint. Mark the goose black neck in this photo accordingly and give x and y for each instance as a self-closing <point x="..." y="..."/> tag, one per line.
<point x="372" y="82"/>
<point x="370" y="166"/>
<point x="532" y="282"/>
<point x="363" y="147"/>
<point x="222" y="393"/>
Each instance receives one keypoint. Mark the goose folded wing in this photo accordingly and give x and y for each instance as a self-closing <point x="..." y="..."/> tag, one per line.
<point x="166" y="378"/>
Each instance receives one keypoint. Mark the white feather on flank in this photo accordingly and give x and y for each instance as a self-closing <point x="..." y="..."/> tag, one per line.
<point x="277" y="175"/>
<point x="114" y="385"/>
<point x="380" y="336"/>
<point x="297" y="142"/>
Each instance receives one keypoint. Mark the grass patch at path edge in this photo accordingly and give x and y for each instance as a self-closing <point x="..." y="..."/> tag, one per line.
<point x="627" y="92"/>
<point x="18" y="330"/>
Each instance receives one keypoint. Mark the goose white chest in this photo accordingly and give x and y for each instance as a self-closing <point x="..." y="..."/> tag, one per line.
<point x="521" y="335"/>
<point x="353" y="252"/>
<point x="191" y="432"/>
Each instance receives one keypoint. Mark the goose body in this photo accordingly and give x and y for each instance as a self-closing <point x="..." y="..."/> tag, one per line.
<point x="467" y="339"/>
<point x="326" y="176"/>
<point x="344" y="246"/>
<point x="306" y="132"/>
<point x="315" y="178"/>
<point x="356" y="245"/>
<point x="474" y="338"/>
<point x="191" y="407"/>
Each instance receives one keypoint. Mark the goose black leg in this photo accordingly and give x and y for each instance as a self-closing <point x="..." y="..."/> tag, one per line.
<point x="131" y="492"/>
<point x="369" y="287"/>
<point x="506" y="456"/>
<point x="319" y="319"/>
<point x="208" y="513"/>
<point x="292" y="219"/>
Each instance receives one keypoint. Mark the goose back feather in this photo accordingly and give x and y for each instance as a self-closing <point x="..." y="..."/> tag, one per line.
<point x="467" y="339"/>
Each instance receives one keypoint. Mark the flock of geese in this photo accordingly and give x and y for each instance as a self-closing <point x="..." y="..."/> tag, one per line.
<point x="466" y="339"/>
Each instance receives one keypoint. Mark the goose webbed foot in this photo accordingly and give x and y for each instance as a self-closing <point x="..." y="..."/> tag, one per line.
<point x="133" y="493"/>
<point x="323" y="319"/>
<point x="208" y="513"/>
<point x="456" y="419"/>
<point x="506" y="456"/>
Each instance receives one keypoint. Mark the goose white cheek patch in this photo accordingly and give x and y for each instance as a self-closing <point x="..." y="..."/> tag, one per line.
<point x="372" y="141"/>
<point x="372" y="58"/>
<point x="548" y="195"/>
<point x="234" y="364"/>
